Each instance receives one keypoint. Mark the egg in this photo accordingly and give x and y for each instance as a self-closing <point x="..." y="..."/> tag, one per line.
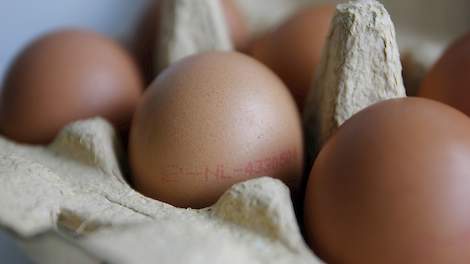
<point x="449" y="79"/>
<point x="66" y="76"/>
<point x="392" y="186"/>
<point x="236" y="24"/>
<point x="145" y="41"/>
<point x="209" y="121"/>
<point x="294" y="49"/>
<point x="147" y="36"/>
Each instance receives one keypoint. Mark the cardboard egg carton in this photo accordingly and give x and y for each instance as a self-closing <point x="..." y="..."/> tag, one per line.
<point x="69" y="202"/>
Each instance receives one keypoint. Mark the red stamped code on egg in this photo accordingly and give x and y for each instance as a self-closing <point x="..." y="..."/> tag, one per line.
<point x="222" y="171"/>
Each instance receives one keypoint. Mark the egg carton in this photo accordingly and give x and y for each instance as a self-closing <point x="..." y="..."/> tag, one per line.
<point x="69" y="202"/>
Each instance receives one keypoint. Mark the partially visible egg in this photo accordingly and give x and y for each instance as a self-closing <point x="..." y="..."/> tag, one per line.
<point x="236" y="24"/>
<point x="144" y="43"/>
<point x="65" y="76"/>
<point x="209" y="121"/>
<point x="147" y="36"/>
<point x="293" y="50"/>
<point x="392" y="186"/>
<point x="449" y="79"/>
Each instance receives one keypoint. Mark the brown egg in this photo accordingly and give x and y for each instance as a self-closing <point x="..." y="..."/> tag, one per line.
<point x="209" y="121"/>
<point x="145" y="41"/>
<point x="293" y="50"/>
<point x="449" y="79"/>
<point x="392" y="186"/>
<point x="66" y="76"/>
<point x="236" y="24"/>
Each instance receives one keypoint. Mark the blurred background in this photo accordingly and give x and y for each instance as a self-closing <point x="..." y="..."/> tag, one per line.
<point x="24" y="20"/>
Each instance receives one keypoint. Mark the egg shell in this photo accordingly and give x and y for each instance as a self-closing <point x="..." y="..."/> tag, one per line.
<point x="145" y="41"/>
<point x="236" y="24"/>
<point x="392" y="186"/>
<point x="294" y="49"/>
<point x="449" y="79"/>
<point x="209" y="121"/>
<point x="65" y="76"/>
